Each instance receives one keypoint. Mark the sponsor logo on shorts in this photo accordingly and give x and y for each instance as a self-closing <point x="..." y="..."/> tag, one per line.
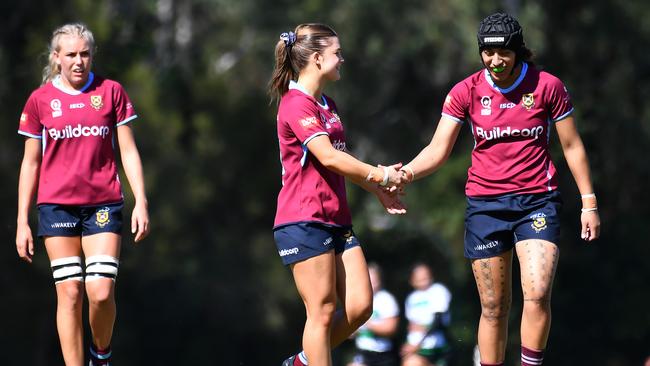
<point x="286" y="252"/>
<point x="492" y="244"/>
<point x="59" y="225"/>
<point x="73" y="132"/>
<point x="102" y="217"/>
<point x="328" y="241"/>
<point x="539" y="222"/>
<point x="348" y="237"/>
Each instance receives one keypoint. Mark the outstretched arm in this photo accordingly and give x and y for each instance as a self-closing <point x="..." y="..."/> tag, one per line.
<point x="27" y="184"/>
<point x="133" y="169"/>
<point x="436" y="153"/>
<point x="348" y="166"/>
<point x="576" y="158"/>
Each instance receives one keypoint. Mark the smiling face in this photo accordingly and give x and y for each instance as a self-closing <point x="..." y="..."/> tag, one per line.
<point x="330" y="60"/>
<point x="500" y="62"/>
<point x="74" y="57"/>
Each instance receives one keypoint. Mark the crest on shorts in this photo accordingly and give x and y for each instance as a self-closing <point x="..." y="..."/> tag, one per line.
<point x="539" y="222"/>
<point x="96" y="102"/>
<point x="348" y="236"/>
<point x="102" y="217"/>
<point x="528" y="101"/>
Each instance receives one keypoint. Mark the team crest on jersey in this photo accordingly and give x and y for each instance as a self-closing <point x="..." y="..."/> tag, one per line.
<point x="486" y="103"/>
<point x="55" y="104"/>
<point x="96" y="101"/>
<point x="102" y="217"/>
<point x="539" y="222"/>
<point x="528" y="101"/>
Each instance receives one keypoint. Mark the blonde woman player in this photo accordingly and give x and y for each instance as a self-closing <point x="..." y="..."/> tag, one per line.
<point x="72" y="125"/>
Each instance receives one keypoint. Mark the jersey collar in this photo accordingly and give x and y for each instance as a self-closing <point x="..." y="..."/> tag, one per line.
<point x="56" y="82"/>
<point x="295" y="85"/>
<point x="522" y="75"/>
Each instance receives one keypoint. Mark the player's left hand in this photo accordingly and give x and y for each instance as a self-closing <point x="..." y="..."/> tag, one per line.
<point x="391" y="201"/>
<point x="590" y="225"/>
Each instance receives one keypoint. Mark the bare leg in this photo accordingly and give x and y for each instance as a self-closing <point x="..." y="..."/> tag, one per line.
<point x="101" y="292"/>
<point x="69" y="295"/>
<point x="316" y="282"/>
<point x="538" y="260"/>
<point x="494" y="282"/>
<point x="355" y="293"/>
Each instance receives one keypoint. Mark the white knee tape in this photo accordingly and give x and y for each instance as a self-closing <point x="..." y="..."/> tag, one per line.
<point x="101" y="266"/>
<point x="66" y="269"/>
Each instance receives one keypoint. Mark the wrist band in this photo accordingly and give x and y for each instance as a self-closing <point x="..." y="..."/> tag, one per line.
<point x="591" y="209"/>
<point x="385" y="180"/>
<point x="589" y="195"/>
<point x="405" y="168"/>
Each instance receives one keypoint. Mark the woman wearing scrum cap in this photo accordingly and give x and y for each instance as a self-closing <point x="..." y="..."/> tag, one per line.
<point x="313" y="226"/>
<point x="513" y="200"/>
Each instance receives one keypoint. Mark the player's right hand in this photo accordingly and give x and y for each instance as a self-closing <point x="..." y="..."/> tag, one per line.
<point x="24" y="243"/>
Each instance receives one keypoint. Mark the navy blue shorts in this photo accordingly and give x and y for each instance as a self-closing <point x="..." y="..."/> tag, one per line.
<point x="60" y="220"/>
<point x="297" y="242"/>
<point x="493" y="225"/>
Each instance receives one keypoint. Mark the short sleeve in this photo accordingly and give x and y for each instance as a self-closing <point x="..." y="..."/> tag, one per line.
<point x="559" y="102"/>
<point x="124" y="111"/>
<point x="304" y="120"/>
<point x="386" y="305"/>
<point x="456" y="103"/>
<point x="30" y="121"/>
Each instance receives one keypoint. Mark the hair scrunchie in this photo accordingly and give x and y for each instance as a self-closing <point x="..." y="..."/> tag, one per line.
<point x="289" y="38"/>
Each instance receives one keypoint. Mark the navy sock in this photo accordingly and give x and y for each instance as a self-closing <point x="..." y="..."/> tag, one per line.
<point x="100" y="357"/>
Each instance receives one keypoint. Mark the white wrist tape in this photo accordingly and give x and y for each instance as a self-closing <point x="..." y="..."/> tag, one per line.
<point x="385" y="180"/>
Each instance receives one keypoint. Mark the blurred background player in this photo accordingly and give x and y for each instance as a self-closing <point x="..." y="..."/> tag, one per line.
<point x="72" y="124"/>
<point x="373" y="339"/>
<point x="428" y="315"/>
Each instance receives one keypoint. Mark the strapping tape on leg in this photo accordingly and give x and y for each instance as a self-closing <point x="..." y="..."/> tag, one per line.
<point x="101" y="266"/>
<point x="66" y="269"/>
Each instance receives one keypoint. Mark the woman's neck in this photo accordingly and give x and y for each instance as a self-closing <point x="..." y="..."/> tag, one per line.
<point x="312" y="85"/>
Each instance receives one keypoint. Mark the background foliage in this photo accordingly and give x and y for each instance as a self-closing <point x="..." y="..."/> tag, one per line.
<point x="207" y="287"/>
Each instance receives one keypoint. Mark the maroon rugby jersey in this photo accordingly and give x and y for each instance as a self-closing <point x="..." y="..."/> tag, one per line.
<point x="310" y="192"/>
<point x="77" y="129"/>
<point x="511" y="129"/>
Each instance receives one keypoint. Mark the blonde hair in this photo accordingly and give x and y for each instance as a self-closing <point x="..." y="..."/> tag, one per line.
<point x="292" y="56"/>
<point x="52" y="69"/>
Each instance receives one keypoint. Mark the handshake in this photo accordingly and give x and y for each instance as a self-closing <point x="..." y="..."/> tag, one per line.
<point x="390" y="181"/>
<point x="392" y="177"/>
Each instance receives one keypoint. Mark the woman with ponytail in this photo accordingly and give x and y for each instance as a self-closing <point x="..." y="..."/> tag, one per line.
<point x="70" y="124"/>
<point x="313" y="226"/>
